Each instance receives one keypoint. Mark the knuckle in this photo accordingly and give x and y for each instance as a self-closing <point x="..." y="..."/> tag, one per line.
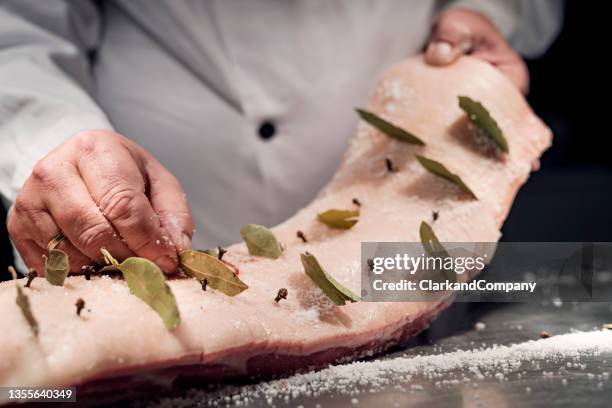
<point x="92" y="235"/>
<point x="121" y="204"/>
<point x="71" y="215"/>
<point x="88" y="228"/>
<point x="13" y="227"/>
<point x="24" y="219"/>
<point x="43" y="170"/>
<point x="90" y="141"/>
<point x="85" y="142"/>
<point x="22" y="205"/>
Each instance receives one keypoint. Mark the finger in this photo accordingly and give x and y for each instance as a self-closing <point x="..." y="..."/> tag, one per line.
<point x="508" y="62"/>
<point x="31" y="254"/>
<point x="460" y="31"/>
<point x="450" y="38"/>
<point x="76" y="259"/>
<point x="118" y="186"/>
<point x="169" y="202"/>
<point x="29" y="221"/>
<point x="441" y="53"/>
<point x="73" y="211"/>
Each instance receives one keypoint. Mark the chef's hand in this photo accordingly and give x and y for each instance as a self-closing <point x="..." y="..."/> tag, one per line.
<point x="460" y="31"/>
<point x="101" y="190"/>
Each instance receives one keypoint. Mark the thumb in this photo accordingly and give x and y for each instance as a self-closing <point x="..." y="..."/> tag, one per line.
<point x="449" y="39"/>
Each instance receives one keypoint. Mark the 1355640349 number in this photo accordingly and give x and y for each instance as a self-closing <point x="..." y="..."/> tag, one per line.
<point x="14" y="394"/>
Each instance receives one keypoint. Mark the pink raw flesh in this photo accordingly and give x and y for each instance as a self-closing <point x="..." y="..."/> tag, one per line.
<point x="221" y="336"/>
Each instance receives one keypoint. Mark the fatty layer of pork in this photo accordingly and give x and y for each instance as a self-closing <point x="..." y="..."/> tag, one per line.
<point x="119" y="335"/>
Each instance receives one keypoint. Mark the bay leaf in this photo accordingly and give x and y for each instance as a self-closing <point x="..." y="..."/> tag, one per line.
<point x="219" y="276"/>
<point x="261" y="241"/>
<point x="481" y="117"/>
<point x="23" y="302"/>
<point x="440" y="170"/>
<point x="434" y="248"/>
<point x="108" y="258"/>
<point x="57" y="267"/>
<point x="210" y="251"/>
<point x="388" y="128"/>
<point x="333" y="289"/>
<point x="341" y="219"/>
<point x="147" y="282"/>
<point x="108" y="269"/>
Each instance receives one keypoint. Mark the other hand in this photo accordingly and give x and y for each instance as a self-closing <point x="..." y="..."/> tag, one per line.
<point x="461" y="31"/>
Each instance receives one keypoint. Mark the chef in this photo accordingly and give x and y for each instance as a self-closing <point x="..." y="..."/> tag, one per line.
<point x="149" y="126"/>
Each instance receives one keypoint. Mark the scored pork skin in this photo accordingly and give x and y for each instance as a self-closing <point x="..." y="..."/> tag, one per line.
<point x="117" y="334"/>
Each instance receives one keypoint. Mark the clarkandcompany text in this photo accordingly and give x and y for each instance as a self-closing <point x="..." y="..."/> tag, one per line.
<point x="475" y="285"/>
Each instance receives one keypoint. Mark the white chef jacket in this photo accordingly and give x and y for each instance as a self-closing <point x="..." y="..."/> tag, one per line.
<point x="193" y="81"/>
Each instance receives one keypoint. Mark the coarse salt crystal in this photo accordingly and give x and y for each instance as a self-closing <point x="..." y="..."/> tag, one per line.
<point x="498" y="361"/>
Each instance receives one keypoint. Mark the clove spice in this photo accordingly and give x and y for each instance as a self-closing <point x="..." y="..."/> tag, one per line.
<point x="204" y="283"/>
<point x="282" y="294"/>
<point x="87" y="271"/>
<point x="357" y="202"/>
<point x="389" y="164"/>
<point x="435" y="215"/>
<point x="222" y="252"/>
<point x="31" y="275"/>
<point x="80" y="305"/>
<point x="301" y="236"/>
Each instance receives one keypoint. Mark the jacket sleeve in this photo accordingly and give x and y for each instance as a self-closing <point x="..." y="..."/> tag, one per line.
<point x="529" y="25"/>
<point x="44" y="82"/>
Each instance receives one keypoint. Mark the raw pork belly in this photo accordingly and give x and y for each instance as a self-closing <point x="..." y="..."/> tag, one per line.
<point x="121" y="338"/>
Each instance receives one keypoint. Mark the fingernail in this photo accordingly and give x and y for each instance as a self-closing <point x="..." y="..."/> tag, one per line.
<point x="185" y="242"/>
<point x="440" y="53"/>
<point x="166" y="263"/>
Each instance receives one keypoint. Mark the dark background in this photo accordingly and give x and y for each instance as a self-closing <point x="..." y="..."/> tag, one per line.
<point x="570" y="198"/>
